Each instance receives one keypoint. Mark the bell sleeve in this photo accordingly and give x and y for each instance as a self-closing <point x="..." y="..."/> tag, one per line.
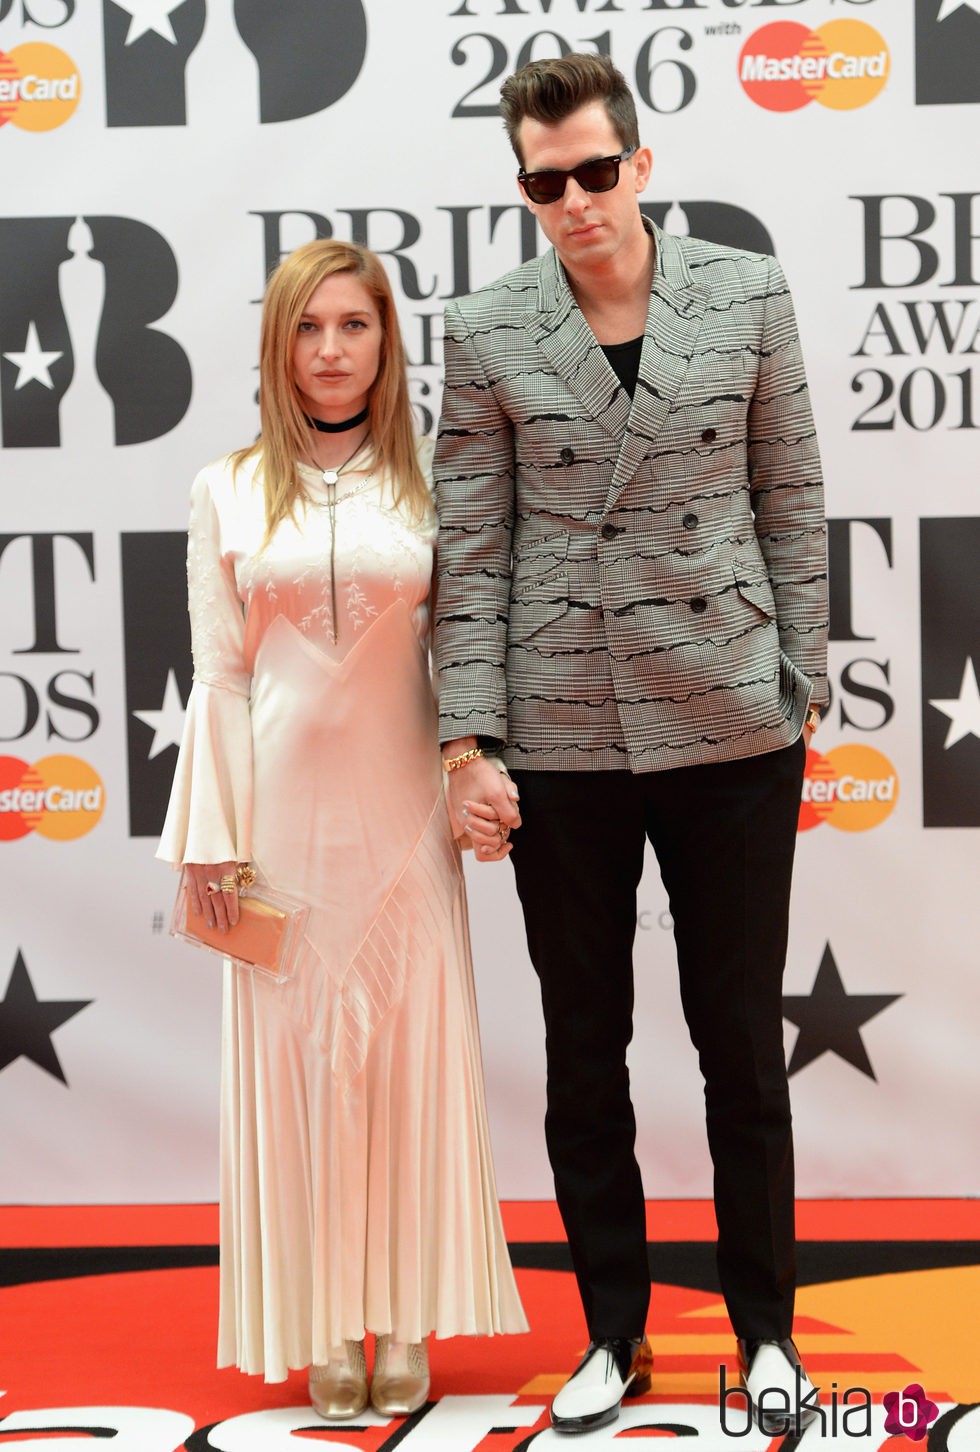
<point x="209" y="818"/>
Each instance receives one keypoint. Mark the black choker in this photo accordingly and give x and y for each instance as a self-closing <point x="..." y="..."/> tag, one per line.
<point x="322" y="427"/>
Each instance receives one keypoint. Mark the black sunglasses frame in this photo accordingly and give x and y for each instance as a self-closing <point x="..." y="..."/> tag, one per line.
<point x="525" y="177"/>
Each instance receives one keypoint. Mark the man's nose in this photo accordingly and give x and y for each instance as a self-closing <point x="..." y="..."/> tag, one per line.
<point x="576" y="198"/>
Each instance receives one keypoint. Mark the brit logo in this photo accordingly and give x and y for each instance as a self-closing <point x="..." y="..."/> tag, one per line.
<point x="52" y="337"/>
<point x="307" y="55"/>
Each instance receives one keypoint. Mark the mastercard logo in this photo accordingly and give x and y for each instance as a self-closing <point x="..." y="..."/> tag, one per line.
<point x="843" y="64"/>
<point x="39" y="86"/>
<point x="854" y="788"/>
<point x="60" y="797"/>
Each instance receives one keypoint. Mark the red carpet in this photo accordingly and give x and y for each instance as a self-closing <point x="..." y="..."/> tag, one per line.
<point x="107" y="1327"/>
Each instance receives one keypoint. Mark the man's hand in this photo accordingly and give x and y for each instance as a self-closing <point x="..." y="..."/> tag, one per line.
<point x="483" y="801"/>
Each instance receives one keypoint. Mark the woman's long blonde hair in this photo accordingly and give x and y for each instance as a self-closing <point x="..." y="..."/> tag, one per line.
<point x="284" y="439"/>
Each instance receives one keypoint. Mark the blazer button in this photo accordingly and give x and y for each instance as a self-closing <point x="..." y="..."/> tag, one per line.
<point x="609" y="531"/>
<point x="698" y="605"/>
<point x="567" y="455"/>
<point x="690" y="521"/>
<point x="709" y="436"/>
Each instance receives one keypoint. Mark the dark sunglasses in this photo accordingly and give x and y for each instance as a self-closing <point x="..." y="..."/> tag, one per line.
<point x="592" y="176"/>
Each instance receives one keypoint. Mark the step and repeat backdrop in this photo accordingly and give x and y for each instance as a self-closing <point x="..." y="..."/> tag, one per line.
<point x="157" y="158"/>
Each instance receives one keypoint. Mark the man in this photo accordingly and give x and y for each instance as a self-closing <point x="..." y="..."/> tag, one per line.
<point x="632" y="610"/>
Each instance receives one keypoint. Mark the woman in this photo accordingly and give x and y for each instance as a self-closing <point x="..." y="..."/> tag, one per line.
<point x="357" y="1190"/>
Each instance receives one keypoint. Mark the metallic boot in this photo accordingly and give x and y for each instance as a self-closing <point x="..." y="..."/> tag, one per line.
<point x="339" y="1389"/>
<point x="400" y="1380"/>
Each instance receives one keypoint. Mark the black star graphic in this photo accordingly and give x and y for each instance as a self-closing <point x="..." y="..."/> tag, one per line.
<point x="26" y="1024"/>
<point x="829" y="1019"/>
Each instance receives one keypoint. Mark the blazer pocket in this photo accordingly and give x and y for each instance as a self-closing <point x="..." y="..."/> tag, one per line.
<point x="753" y="583"/>
<point x="539" y="585"/>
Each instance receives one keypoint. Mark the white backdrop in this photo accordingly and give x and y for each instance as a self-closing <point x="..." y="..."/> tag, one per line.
<point x="198" y="141"/>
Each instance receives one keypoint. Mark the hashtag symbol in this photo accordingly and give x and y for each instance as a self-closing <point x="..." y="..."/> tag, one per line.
<point x="158" y="922"/>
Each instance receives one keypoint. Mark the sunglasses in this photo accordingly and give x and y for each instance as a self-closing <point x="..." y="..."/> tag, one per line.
<point x="592" y="176"/>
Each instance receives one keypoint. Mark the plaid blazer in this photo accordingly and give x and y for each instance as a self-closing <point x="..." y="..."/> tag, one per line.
<point x="635" y="583"/>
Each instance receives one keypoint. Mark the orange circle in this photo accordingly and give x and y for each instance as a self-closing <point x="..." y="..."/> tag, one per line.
<point x="45" y="86"/>
<point x="865" y="790"/>
<point x="72" y="798"/>
<point x="857" y="64"/>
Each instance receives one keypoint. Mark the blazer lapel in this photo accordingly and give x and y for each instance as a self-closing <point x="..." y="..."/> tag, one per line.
<point x="674" y="318"/>
<point x="561" y="332"/>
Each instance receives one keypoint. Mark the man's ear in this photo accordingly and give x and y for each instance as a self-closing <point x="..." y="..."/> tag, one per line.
<point x="642" y="167"/>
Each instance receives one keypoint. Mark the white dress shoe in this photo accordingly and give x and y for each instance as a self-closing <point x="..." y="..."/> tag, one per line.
<point x="609" y="1370"/>
<point x="781" y="1394"/>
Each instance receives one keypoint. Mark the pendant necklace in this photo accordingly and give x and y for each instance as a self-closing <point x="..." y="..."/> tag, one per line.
<point x="330" y="478"/>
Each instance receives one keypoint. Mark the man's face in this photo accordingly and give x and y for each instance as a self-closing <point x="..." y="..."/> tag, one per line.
<point x="586" y="229"/>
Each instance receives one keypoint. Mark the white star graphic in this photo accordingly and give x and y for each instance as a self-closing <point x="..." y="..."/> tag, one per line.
<point x="33" y="364"/>
<point x="963" y="710"/>
<point x="147" y="15"/>
<point x="948" y="6"/>
<point x="168" y="722"/>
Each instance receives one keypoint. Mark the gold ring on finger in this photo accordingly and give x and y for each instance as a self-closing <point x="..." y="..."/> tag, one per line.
<point x="228" y="883"/>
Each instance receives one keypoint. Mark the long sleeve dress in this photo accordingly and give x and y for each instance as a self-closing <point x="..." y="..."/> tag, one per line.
<point x="357" y="1187"/>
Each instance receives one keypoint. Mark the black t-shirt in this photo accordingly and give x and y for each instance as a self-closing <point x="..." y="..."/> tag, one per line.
<point x="624" y="359"/>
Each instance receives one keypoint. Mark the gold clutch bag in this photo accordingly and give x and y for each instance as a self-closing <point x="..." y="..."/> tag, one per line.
<point x="265" y="938"/>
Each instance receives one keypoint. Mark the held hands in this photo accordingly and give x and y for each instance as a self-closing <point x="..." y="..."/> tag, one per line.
<point x="483" y="800"/>
<point x="216" y="903"/>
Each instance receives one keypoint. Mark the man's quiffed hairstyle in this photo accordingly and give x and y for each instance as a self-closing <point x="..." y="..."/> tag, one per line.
<point x="550" y="90"/>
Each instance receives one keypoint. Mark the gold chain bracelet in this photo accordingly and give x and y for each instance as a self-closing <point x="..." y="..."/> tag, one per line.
<point x="453" y="763"/>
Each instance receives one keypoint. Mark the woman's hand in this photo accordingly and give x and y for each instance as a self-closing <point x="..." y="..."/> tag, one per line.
<point x="218" y="907"/>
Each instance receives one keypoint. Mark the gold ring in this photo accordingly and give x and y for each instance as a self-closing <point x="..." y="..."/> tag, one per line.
<point x="228" y="883"/>
<point x="212" y="888"/>
<point x="245" y="875"/>
<point x="503" y="831"/>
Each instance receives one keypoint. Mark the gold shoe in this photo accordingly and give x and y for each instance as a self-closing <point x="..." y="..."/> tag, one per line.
<point x="400" y="1380"/>
<point x="339" y="1389"/>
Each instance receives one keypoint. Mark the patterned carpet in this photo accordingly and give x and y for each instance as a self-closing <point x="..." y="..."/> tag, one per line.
<point x="107" y="1324"/>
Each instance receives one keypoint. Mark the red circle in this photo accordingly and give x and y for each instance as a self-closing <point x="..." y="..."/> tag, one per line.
<point x="8" y="72"/>
<point x="765" y="50"/>
<point x="12" y="773"/>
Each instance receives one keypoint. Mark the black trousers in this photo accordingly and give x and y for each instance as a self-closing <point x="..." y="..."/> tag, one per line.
<point x="724" y="836"/>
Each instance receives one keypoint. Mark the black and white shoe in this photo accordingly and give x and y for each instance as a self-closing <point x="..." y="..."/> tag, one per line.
<point x="609" y="1370"/>
<point x="781" y="1395"/>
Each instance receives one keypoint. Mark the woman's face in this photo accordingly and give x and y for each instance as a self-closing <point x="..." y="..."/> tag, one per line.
<point x="337" y="351"/>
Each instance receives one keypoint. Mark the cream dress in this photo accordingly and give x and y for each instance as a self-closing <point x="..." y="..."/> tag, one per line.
<point x="357" y="1187"/>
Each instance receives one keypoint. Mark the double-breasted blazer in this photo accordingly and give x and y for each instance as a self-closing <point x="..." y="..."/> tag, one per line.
<point x="630" y="583"/>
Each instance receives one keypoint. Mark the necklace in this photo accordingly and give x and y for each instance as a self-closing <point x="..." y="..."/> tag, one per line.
<point x="322" y="427"/>
<point x="330" y="477"/>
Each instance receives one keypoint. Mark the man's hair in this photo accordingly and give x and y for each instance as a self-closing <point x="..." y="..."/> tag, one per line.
<point x="550" y="90"/>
